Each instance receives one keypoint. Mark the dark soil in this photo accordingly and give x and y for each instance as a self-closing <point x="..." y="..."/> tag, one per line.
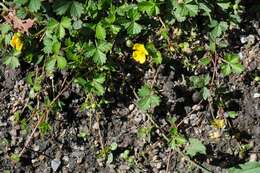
<point x="120" y="120"/>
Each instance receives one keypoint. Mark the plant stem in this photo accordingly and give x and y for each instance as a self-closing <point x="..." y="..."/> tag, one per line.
<point x="177" y="149"/>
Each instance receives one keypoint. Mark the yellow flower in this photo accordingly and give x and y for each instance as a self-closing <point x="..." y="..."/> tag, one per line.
<point x="139" y="53"/>
<point x="16" y="42"/>
<point x="218" y="123"/>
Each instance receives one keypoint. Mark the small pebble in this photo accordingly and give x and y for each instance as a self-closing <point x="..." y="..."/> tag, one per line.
<point x="243" y="39"/>
<point x="256" y="95"/>
<point x="55" y="164"/>
<point x="131" y="107"/>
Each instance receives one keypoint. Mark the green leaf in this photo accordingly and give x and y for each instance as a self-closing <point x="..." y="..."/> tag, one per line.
<point x="97" y="84"/>
<point x="231" y="64"/>
<point x="148" y="102"/>
<point x="115" y="29"/>
<point x="147" y="98"/>
<point x="50" y="65"/>
<point x="48" y="44"/>
<point x="237" y="68"/>
<point x="134" y="28"/>
<point x="61" y="61"/>
<point x="76" y="9"/>
<point x="204" y="61"/>
<point x="144" y="133"/>
<point x="113" y="146"/>
<point x="192" y="9"/>
<point x="12" y="61"/>
<point x="232" y="114"/>
<point x="52" y="24"/>
<point x="61" y="7"/>
<point x="225" y="69"/>
<point x="77" y="24"/>
<point x="176" y="139"/>
<point x="248" y="167"/>
<point x="99" y="57"/>
<point x="205" y="93"/>
<point x="20" y="2"/>
<point x="98" y="52"/>
<point x="61" y="32"/>
<point x="224" y="5"/>
<point x="195" y="147"/>
<point x="184" y="9"/>
<point x="144" y="91"/>
<point x="56" y="47"/>
<point x="133" y="14"/>
<point x="232" y="58"/>
<point x="200" y="81"/>
<point x="5" y="28"/>
<point x="206" y="9"/>
<point x="100" y="32"/>
<point x="15" y="157"/>
<point x="219" y="28"/>
<point x="34" y="5"/>
<point x="65" y="22"/>
<point x="156" y="55"/>
<point x="149" y="7"/>
<point x="104" y="46"/>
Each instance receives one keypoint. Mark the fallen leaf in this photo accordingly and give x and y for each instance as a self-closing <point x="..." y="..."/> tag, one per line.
<point x="20" y="25"/>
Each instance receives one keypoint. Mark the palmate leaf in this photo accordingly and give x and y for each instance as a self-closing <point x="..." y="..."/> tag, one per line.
<point x="98" y="52"/>
<point x="34" y="5"/>
<point x="156" y="55"/>
<point x="65" y="22"/>
<point x="97" y="84"/>
<point x="147" y="98"/>
<point x="74" y="7"/>
<point x="149" y="7"/>
<point x="231" y="64"/>
<point x="99" y="57"/>
<point x="61" y="61"/>
<point x="184" y="9"/>
<point x="59" y="27"/>
<point x="218" y="28"/>
<point x="12" y="61"/>
<point x="248" y="167"/>
<point x="195" y="147"/>
<point x="148" y="102"/>
<point x="133" y="28"/>
<point x="100" y="32"/>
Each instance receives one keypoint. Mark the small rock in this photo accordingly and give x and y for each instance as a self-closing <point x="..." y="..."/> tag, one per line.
<point x="36" y="148"/>
<point x="13" y="133"/>
<point x="251" y="39"/>
<point x="131" y="107"/>
<point x="95" y="126"/>
<point x="241" y="56"/>
<point x="55" y="164"/>
<point x="256" y="95"/>
<point x="66" y="158"/>
<point x="243" y="39"/>
<point x="196" y="97"/>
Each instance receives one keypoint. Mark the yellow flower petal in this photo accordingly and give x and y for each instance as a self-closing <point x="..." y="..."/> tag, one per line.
<point x="218" y="123"/>
<point x="139" y="56"/>
<point x="140" y="47"/>
<point x="16" y="42"/>
<point x="139" y="53"/>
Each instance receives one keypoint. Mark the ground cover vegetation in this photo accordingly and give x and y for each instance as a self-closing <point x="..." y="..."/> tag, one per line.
<point x="174" y="63"/>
